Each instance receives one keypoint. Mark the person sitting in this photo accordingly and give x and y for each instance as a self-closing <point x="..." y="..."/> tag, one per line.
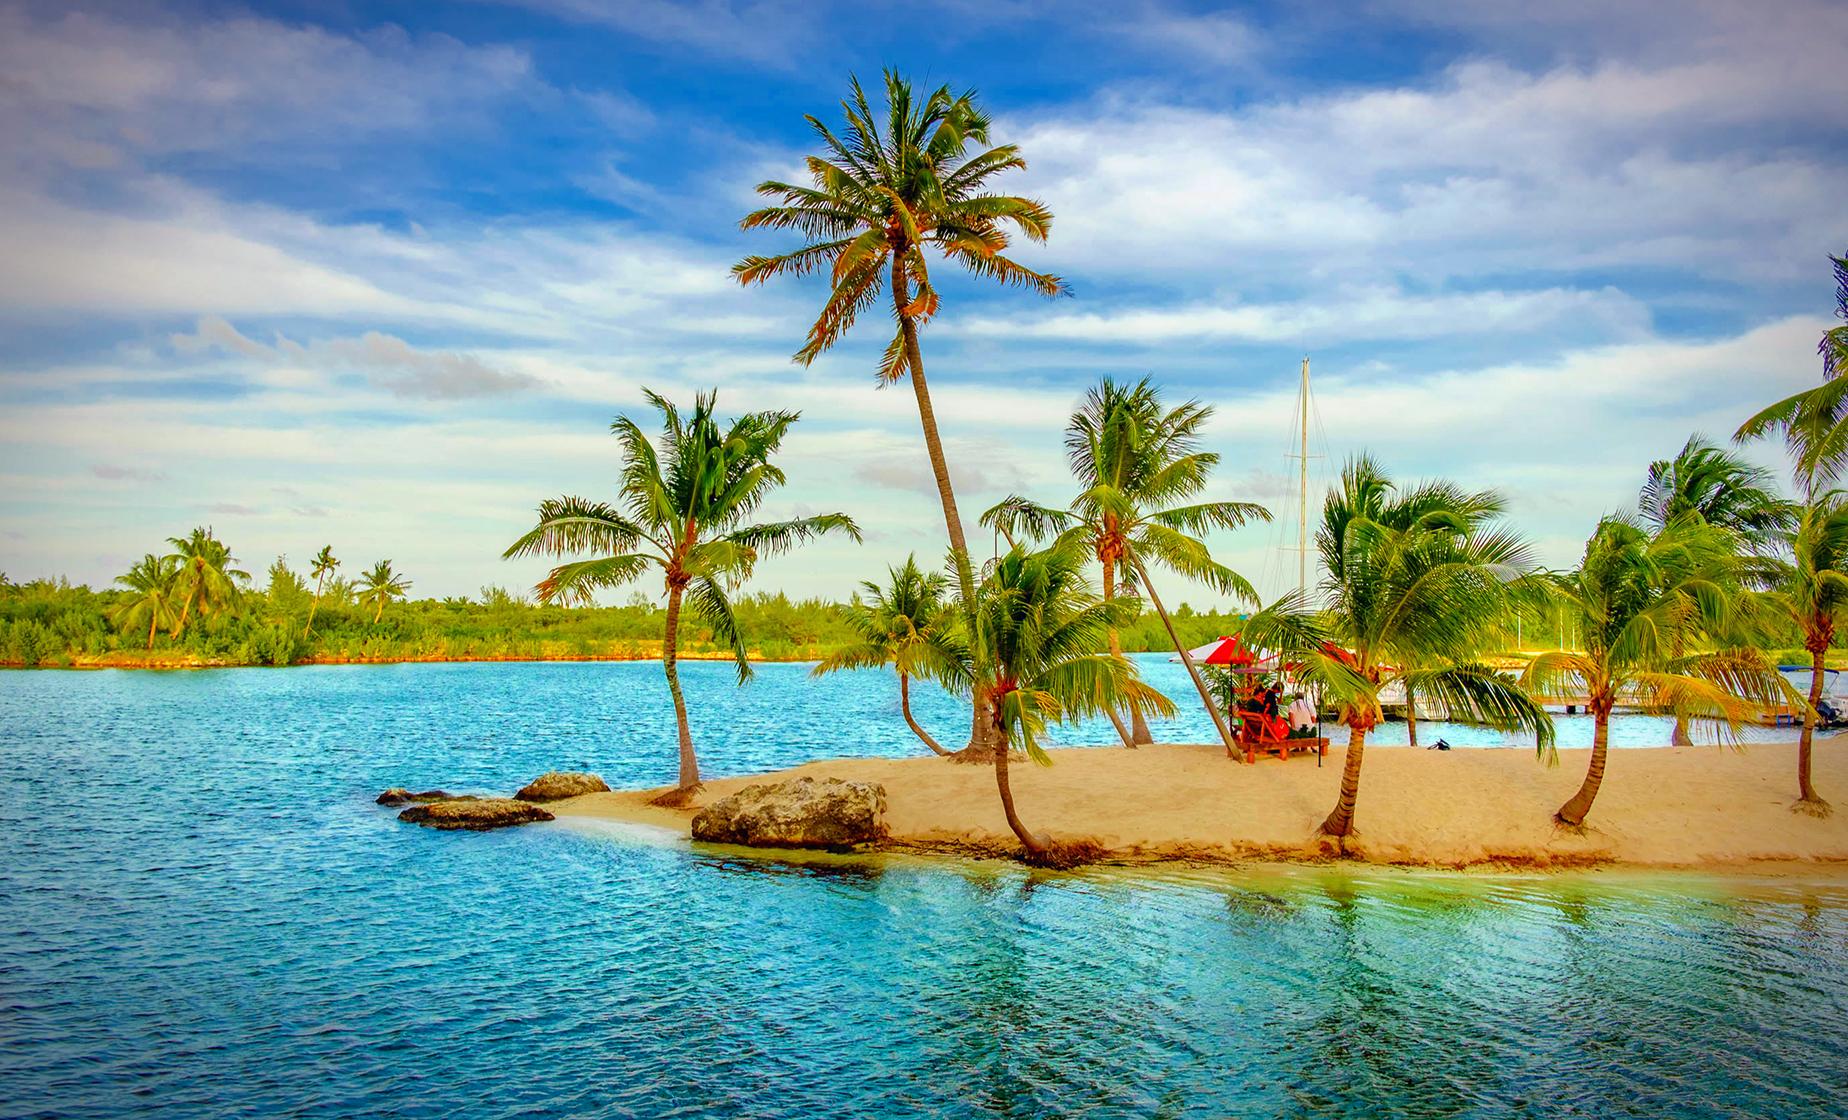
<point x="1302" y="717"/>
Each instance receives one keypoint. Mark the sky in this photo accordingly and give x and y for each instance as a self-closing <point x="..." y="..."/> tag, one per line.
<point x="379" y="275"/>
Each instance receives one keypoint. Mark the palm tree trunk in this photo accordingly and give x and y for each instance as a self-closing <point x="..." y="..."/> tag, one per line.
<point x="380" y="612"/>
<point x="313" y="605"/>
<point x="904" y="704"/>
<point x="670" y="664"/>
<point x="1573" y="812"/>
<point x="1036" y="846"/>
<point x="1807" y="800"/>
<point x="1206" y="697"/>
<point x="1340" y="822"/>
<point x="1411" y="716"/>
<point x="979" y="732"/>
<point x="1139" y="727"/>
<point x="154" y="621"/>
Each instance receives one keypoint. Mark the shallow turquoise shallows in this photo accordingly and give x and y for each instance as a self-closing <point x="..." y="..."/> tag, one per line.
<point x="202" y="914"/>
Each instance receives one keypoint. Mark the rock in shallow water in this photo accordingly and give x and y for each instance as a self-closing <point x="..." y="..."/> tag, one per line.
<point x="799" y="813"/>
<point x="560" y="784"/>
<point x="478" y="814"/>
<point x="397" y="795"/>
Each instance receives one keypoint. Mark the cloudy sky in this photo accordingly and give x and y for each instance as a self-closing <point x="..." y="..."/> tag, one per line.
<point x="379" y="275"/>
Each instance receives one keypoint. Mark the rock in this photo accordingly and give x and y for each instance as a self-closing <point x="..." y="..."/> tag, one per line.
<point x="560" y="784"/>
<point x="800" y="813"/>
<point x="398" y="795"/>
<point x="478" y="814"/>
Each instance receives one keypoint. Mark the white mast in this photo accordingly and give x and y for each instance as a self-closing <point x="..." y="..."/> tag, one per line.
<point x="1302" y="498"/>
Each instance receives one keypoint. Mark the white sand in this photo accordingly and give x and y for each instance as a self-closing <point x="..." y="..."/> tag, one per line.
<point x="1668" y="806"/>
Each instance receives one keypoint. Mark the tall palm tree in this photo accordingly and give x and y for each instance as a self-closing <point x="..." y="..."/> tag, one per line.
<point x="906" y="625"/>
<point x="684" y="510"/>
<point x="379" y="586"/>
<point x="1813" y="594"/>
<point x="880" y="198"/>
<point x="1041" y="632"/>
<point x="1417" y="588"/>
<point x="1140" y="466"/>
<point x="154" y="583"/>
<point x="1815" y="421"/>
<point x="325" y="564"/>
<point x="207" y="583"/>
<point x="1661" y="618"/>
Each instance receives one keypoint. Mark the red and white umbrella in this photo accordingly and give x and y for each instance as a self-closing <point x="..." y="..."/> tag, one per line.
<point x="1224" y="651"/>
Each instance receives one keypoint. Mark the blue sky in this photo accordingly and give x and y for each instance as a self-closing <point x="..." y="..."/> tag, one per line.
<point x="380" y="274"/>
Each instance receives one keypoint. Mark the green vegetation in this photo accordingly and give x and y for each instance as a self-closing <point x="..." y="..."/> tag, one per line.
<point x="685" y="507"/>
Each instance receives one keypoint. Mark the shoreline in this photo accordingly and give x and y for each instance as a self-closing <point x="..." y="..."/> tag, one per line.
<point x="194" y="661"/>
<point x="1695" y="808"/>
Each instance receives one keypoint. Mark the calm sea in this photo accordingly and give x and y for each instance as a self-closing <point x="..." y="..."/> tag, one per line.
<point x="202" y="914"/>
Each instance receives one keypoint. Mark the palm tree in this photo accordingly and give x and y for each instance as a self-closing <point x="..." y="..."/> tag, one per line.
<point x="379" y="586"/>
<point x="1641" y="602"/>
<point x="207" y="583"/>
<point x="1417" y="587"/>
<point x="1813" y="594"/>
<point x="1140" y="466"/>
<point x="154" y="583"/>
<point x="1041" y="632"/>
<point x="325" y="564"/>
<point x="905" y="625"/>
<point x="879" y="199"/>
<point x="684" y="511"/>
<point x="1815" y="421"/>
<point x="1718" y="487"/>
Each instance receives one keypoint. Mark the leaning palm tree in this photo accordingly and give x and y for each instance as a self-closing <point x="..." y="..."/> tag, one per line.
<point x="906" y="625"/>
<point x="1041" y="632"/>
<point x="1812" y="592"/>
<point x="325" y="564"/>
<point x="1417" y="588"/>
<point x="684" y="510"/>
<point x="1717" y="487"/>
<point x="1663" y="622"/>
<point x="154" y="586"/>
<point x="1141" y="468"/>
<point x="207" y="583"/>
<point x="379" y="586"/>
<point x="879" y="199"/>
<point x="1815" y="422"/>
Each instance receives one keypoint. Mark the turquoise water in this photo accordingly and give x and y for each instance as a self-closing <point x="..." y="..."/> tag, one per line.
<point x="202" y="914"/>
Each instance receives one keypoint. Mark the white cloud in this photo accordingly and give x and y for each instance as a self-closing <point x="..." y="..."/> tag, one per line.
<point x="388" y="362"/>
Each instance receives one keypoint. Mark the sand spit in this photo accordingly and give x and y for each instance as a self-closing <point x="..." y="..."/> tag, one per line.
<point x="1659" y="807"/>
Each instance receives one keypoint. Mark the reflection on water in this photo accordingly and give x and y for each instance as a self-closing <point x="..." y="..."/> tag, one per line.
<point x="202" y="915"/>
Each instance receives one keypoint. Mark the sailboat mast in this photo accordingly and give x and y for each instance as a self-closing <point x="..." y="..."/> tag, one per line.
<point x="1302" y="498"/>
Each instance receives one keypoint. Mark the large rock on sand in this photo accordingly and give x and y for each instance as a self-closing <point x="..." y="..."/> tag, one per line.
<point x="799" y="813"/>
<point x="478" y="814"/>
<point x="560" y="784"/>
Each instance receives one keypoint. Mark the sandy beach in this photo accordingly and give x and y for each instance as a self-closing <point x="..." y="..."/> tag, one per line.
<point x="1663" y="807"/>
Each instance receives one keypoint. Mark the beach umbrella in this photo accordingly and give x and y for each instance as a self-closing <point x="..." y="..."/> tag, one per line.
<point x="1221" y="651"/>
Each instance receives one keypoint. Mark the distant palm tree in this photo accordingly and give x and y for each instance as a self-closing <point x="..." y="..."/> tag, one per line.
<point x="1041" y="631"/>
<point x="684" y="511"/>
<point x="325" y="564"/>
<point x="1815" y="421"/>
<point x="207" y="583"/>
<point x="1642" y="602"/>
<point x="154" y="582"/>
<point x="1417" y="588"/>
<point x="1718" y="487"/>
<point x="906" y="625"/>
<point x="1812" y="592"/>
<point x="379" y="586"/>
<point x="1140" y="465"/>
<point x="879" y="199"/>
